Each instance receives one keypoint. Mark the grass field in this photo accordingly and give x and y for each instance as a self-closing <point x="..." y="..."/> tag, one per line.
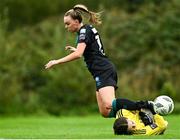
<point x="87" y="127"/>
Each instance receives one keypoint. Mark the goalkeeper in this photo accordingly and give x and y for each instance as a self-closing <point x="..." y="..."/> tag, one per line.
<point x="142" y="122"/>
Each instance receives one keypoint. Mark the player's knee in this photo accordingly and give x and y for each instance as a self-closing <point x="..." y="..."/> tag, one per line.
<point x="104" y="113"/>
<point x="105" y="110"/>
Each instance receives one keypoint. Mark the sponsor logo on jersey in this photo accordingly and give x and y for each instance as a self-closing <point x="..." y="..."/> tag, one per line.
<point x="83" y="31"/>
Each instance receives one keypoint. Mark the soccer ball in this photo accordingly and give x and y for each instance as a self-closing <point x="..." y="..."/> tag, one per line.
<point x="163" y="105"/>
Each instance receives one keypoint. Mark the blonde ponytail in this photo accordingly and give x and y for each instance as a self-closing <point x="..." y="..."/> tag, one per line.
<point x="94" y="18"/>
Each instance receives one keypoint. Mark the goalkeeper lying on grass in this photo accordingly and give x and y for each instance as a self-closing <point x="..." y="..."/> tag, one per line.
<point x="142" y="122"/>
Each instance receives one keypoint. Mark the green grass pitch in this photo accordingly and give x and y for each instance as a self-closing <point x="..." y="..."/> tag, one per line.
<point x="73" y="127"/>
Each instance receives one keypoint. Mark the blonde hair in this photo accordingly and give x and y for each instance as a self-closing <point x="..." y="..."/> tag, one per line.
<point x="79" y="11"/>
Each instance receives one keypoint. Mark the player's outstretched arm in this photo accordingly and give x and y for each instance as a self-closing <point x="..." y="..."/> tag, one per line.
<point x="73" y="56"/>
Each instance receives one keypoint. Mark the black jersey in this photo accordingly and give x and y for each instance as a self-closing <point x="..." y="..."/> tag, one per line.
<point x="94" y="54"/>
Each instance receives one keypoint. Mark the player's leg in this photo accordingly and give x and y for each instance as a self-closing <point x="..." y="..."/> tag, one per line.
<point x="109" y="105"/>
<point x="105" y="96"/>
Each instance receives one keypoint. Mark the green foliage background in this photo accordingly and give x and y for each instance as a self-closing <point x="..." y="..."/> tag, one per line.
<point x="141" y="37"/>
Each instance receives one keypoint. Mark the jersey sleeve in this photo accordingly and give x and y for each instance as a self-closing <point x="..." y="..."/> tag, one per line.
<point x="83" y="36"/>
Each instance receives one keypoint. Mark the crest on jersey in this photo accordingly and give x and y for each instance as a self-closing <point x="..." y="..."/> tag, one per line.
<point x="153" y="126"/>
<point x="98" y="82"/>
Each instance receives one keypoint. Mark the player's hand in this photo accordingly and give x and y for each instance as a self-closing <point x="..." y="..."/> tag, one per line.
<point x="51" y="63"/>
<point x="72" y="49"/>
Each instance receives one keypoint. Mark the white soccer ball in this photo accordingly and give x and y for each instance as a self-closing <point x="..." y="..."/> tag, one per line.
<point x="163" y="105"/>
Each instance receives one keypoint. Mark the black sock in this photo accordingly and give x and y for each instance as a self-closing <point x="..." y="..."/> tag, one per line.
<point x="131" y="105"/>
<point x="121" y="103"/>
<point x="126" y="104"/>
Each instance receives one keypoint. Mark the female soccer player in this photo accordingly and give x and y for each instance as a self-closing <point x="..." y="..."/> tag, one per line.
<point x="90" y="46"/>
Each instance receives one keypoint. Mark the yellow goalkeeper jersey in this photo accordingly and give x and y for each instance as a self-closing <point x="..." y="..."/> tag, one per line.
<point x="157" y="128"/>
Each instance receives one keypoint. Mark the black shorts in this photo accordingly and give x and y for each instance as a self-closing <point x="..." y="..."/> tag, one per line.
<point x="106" y="78"/>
